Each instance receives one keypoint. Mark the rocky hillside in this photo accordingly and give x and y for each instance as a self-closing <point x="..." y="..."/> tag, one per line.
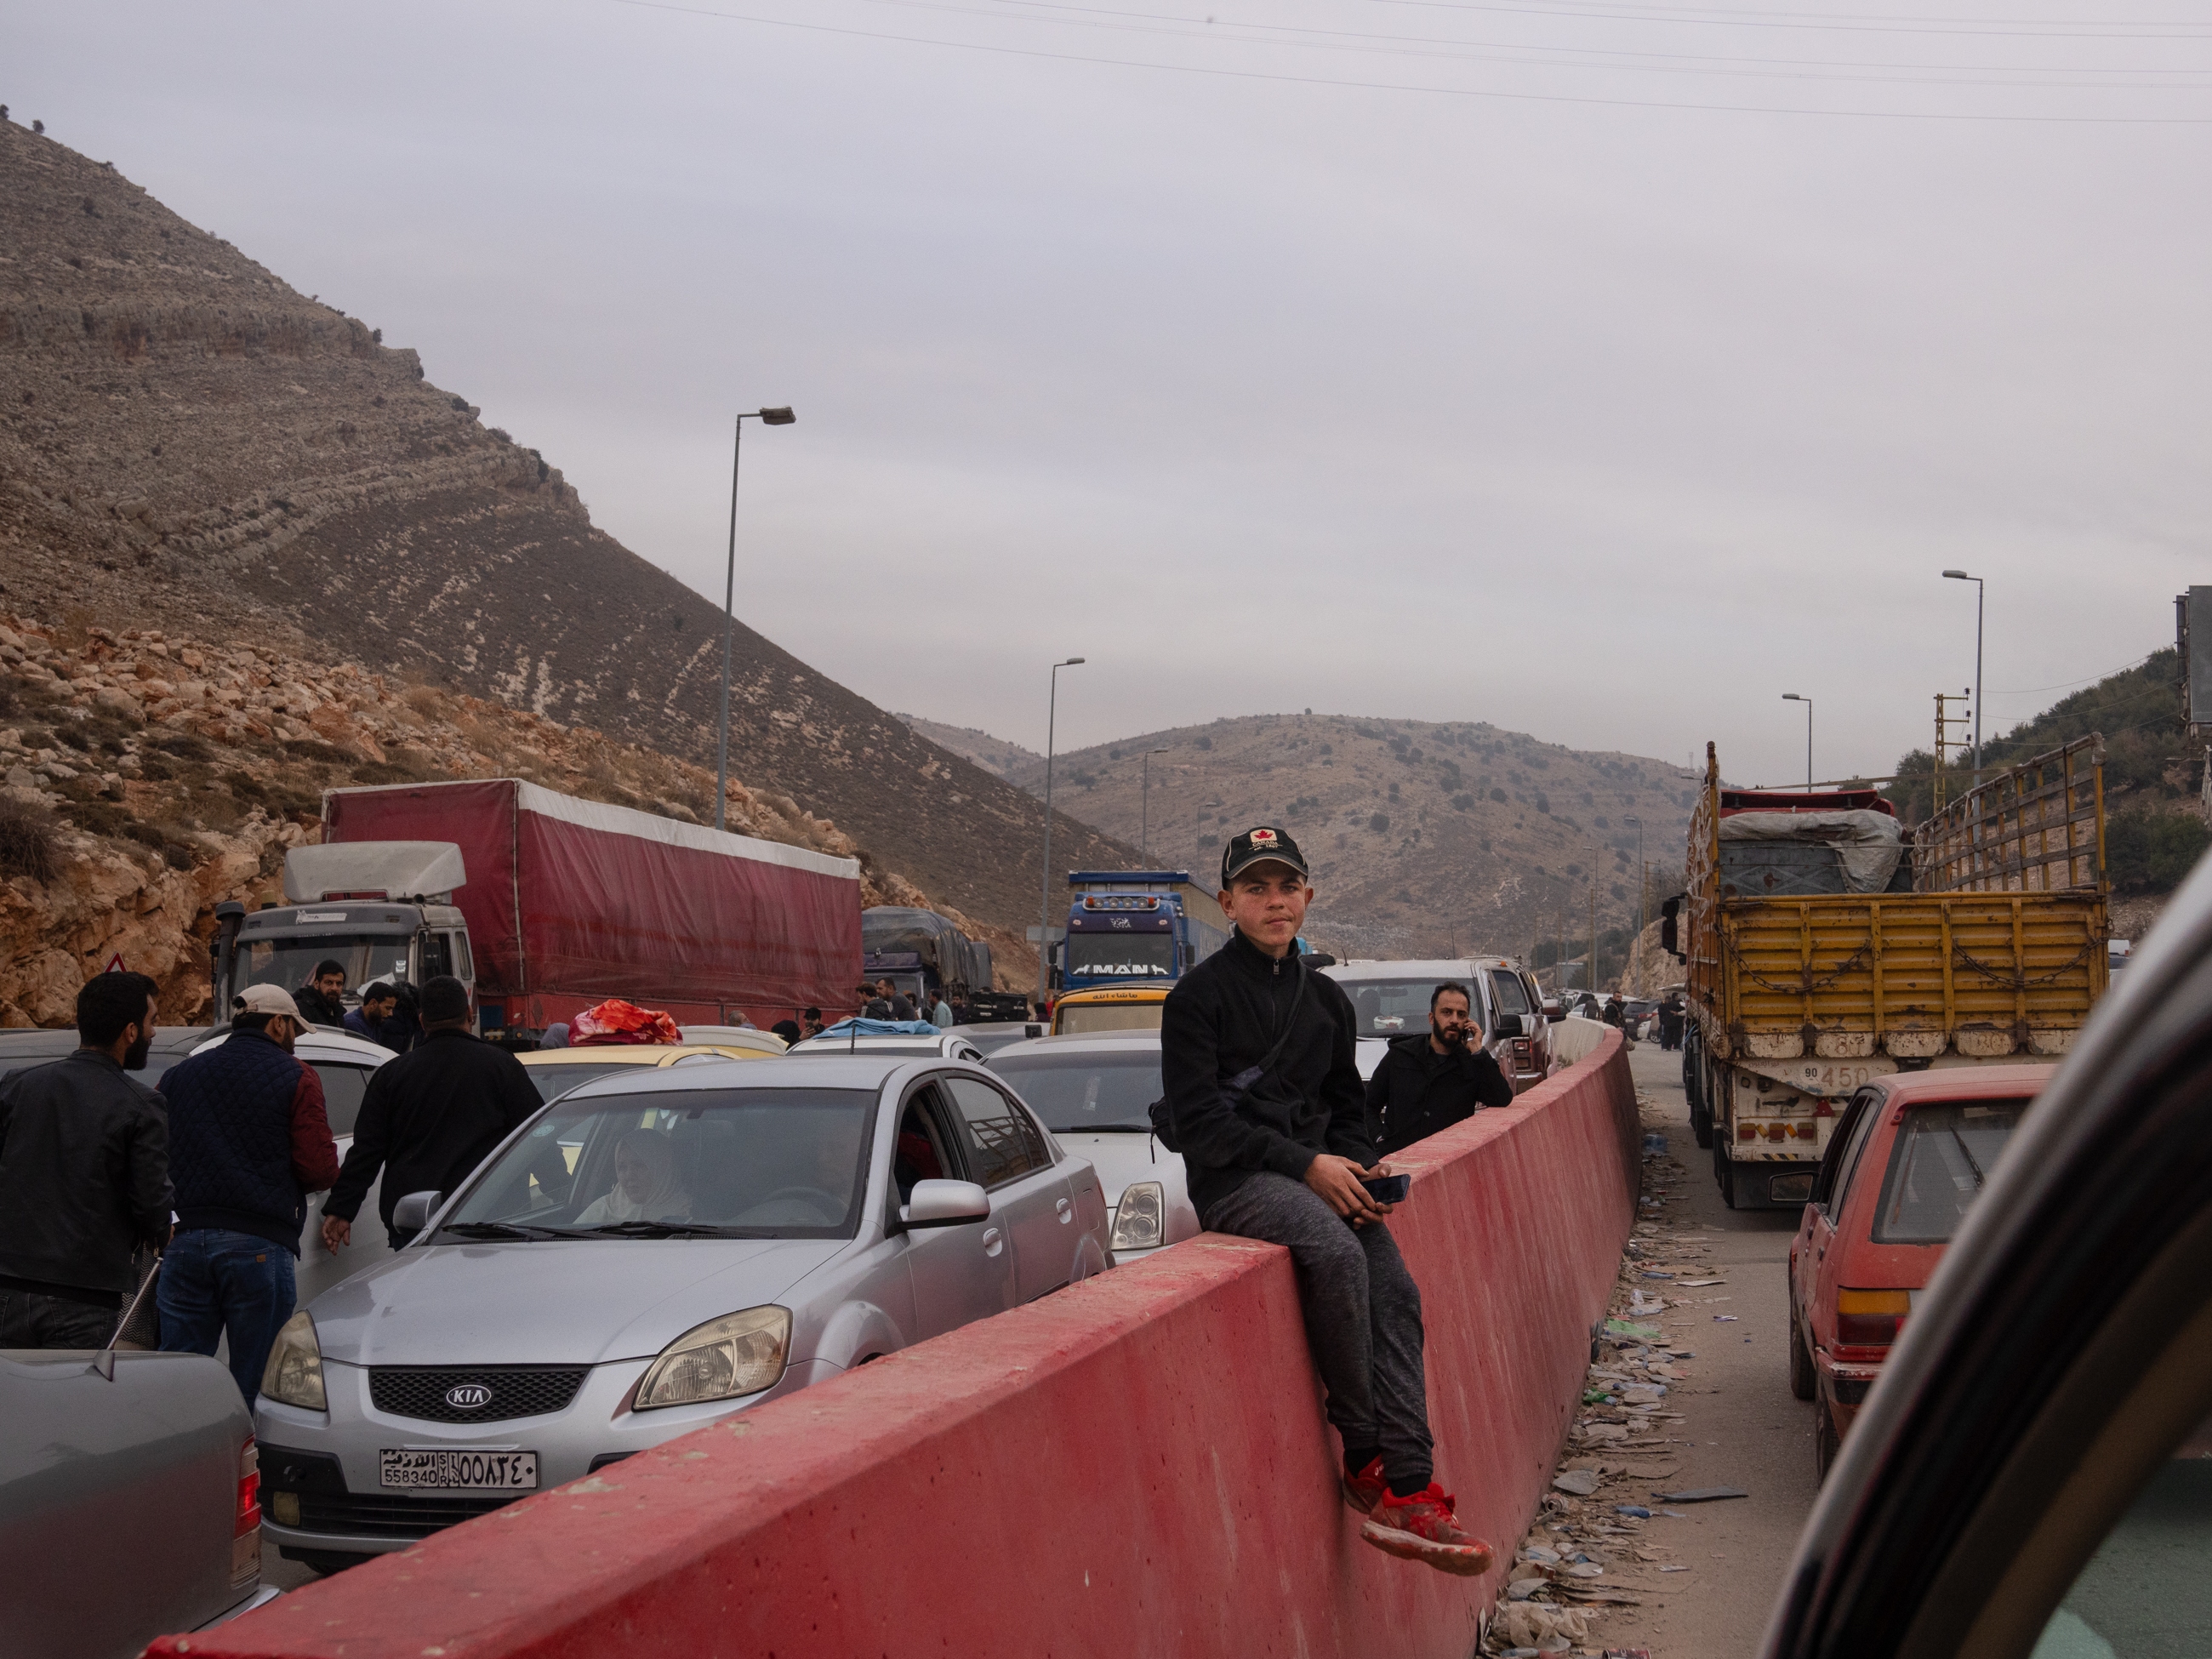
<point x="996" y="756"/>
<point x="1425" y="837"/>
<point x="146" y="774"/>
<point x="186" y="443"/>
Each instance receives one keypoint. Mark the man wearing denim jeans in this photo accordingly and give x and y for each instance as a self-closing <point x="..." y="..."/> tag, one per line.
<point x="248" y="1141"/>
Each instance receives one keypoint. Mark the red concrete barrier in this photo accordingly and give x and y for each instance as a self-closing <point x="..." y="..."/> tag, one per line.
<point x="1139" y="1466"/>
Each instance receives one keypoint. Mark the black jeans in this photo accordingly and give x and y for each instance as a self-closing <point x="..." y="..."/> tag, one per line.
<point x="1363" y="1314"/>
<point x="31" y="1320"/>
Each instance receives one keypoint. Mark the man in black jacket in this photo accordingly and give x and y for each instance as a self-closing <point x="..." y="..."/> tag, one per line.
<point x="84" y="1175"/>
<point x="1430" y="1081"/>
<point x="429" y="1116"/>
<point x="1264" y="1105"/>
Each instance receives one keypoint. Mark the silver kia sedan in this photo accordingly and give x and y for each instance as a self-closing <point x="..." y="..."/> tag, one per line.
<point x="650" y="1253"/>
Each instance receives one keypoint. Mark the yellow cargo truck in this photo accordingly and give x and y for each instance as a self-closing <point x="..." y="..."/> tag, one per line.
<point x="1826" y="944"/>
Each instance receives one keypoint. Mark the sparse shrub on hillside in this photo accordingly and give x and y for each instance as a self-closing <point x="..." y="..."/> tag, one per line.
<point x="499" y="434"/>
<point x="307" y="749"/>
<point x="28" y="836"/>
<point x="377" y="335"/>
<point x="1202" y="742"/>
<point x="1380" y="823"/>
<point x="1543" y="805"/>
<point x="1497" y="795"/>
<point x="1462" y="803"/>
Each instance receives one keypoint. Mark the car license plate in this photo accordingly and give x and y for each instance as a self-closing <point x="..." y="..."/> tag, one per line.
<point x="459" y="1470"/>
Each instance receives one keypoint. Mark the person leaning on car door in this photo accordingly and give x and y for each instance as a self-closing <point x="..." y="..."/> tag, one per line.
<point x="249" y="1139"/>
<point x="1432" y="1080"/>
<point x="84" y="1175"/>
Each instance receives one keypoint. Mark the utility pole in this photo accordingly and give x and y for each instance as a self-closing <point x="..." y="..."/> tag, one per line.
<point x="1944" y="721"/>
<point x="1044" y="907"/>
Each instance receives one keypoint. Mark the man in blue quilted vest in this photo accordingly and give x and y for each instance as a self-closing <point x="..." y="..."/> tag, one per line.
<point x="249" y="1142"/>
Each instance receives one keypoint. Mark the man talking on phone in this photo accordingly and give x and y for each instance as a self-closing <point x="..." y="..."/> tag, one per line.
<point x="1264" y="1101"/>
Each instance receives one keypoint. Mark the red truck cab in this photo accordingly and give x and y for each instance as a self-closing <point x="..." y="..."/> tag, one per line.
<point x="1910" y="1154"/>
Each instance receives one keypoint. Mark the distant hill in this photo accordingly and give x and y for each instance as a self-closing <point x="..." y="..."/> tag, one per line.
<point x="188" y="442"/>
<point x="996" y="756"/>
<point x="1425" y="837"/>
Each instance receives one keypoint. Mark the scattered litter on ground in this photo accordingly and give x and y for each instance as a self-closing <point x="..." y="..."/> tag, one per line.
<point x="1580" y="1482"/>
<point x="1702" y="1495"/>
<point x="1725" y="1319"/>
<point x="1699" y="1284"/>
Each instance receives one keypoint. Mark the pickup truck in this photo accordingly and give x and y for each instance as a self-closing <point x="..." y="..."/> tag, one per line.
<point x="1826" y="948"/>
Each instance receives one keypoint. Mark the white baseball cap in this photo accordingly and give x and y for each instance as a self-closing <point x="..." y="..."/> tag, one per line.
<point x="266" y="1000"/>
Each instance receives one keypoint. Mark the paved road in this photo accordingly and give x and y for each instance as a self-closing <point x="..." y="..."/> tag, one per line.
<point x="1745" y="1429"/>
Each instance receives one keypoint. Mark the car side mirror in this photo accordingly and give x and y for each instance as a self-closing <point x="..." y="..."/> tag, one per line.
<point x="944" y="1204"/>
<point x="412" y="1212"/>
<point x="1509" y="1025"/>
<point x="1670" y="929"/>
<point x="1319" y="960"/>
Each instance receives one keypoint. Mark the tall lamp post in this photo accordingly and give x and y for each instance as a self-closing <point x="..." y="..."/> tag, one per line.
<point x="1980" y="591"/>
<point x="1643" y="898"/>
<point x="766" y="418"/>
<point x="1044" y="908"/>
<point x="1791" y="697"/>
<point x="1145" y="806"/>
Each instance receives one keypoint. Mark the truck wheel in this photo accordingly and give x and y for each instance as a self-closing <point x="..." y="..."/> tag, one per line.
<point x="1804" y="1380"/>
<point x="1724" y="1172"/>
<point x="1826" y="1443"/>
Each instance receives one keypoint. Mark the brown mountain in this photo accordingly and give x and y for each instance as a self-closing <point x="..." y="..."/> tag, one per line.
<point x="1424" y="837"/>
<point x="187" y="441"/>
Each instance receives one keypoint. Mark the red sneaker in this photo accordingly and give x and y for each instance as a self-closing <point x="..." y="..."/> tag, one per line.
<point x="1423" y="1528"/>
<point x="1365" y="1490"/>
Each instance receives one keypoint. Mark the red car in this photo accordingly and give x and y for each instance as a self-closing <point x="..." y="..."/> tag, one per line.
<point x="1910" y="1154"/>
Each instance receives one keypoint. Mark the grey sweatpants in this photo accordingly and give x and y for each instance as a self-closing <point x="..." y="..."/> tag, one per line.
<point x="1363" y="1314"/>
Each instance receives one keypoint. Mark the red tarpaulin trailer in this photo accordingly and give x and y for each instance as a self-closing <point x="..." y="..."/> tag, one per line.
<point x="570" y="902"/>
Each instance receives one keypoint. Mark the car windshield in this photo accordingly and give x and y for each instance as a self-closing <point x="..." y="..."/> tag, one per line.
<point x="1391" y="1007"/>
<point x="723" y="1163"/>
<point x="554" y="1081"/>
<point x="1943" y="1156"/>
<point x="1122" y="956"/>
<point x="1083" y="1018"/>
<point x="1077" y="1092"/>
<point x="290" y="962"/>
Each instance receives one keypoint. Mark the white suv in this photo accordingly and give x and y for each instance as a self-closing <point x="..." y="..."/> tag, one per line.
<point x="1391" y="999"/>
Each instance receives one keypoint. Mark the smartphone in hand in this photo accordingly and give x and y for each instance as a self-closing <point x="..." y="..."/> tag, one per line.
<point x="1387" y="1189"/>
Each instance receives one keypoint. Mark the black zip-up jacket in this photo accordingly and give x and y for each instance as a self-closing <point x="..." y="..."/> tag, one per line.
<point x="1222" y="1017"/>
<point x="1417" y="1092"/>
<point x="84" y="1177"/>
<point x="429" y="1117"/>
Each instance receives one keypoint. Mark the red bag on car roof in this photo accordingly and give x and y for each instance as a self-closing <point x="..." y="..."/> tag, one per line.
<point x="616" y="1021"/>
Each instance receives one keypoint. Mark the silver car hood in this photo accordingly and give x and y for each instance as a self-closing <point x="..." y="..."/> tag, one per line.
<point x="566" y="1302"/>
<point x="1120" y="1159"/>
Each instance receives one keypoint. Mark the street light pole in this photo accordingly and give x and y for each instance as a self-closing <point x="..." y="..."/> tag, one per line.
<point x="1791" y="697"/>
<point x="1980" y="591"/>
<point x="1044" y="908"/>
<point x="1145" y="806"/>
<point x="1643" y="898"/>
<point x="766" y="418"/>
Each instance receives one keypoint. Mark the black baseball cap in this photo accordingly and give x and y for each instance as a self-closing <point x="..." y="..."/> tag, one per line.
<point x="1263" y="845"/>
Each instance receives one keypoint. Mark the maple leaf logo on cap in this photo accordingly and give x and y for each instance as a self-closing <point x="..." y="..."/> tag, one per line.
<point x="1263" y="838"/>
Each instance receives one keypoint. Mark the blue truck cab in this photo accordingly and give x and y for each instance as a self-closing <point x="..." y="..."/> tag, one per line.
<point x="1134" y="927"/>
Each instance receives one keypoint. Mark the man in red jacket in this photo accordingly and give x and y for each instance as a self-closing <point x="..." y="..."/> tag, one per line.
<point x="249" y="1142"/>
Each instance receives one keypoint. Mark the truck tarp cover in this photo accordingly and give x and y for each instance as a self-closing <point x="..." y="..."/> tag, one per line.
<point x="575" y="897"/>
<point x="1866" y="844"/>
<point x="955" y="958"/>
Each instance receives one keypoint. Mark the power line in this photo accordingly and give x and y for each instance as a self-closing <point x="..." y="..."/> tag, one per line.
<point x="1448" y="92"/>
<point x="2024" y="29"/>
<point x="2025" y="689"/>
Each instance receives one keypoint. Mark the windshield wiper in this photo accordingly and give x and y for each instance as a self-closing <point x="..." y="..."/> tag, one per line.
<point x="506" y="1230"/>
<point x="654" y="1229"/>
<point x="1967" y="1152"/>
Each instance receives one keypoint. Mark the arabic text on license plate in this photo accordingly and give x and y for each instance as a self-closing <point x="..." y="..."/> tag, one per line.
<point x="460" y="1471"/>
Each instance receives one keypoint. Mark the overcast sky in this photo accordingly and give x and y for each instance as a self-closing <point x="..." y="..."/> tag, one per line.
<point x="1445" y="361"/>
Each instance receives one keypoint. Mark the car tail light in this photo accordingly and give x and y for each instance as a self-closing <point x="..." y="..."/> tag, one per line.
<point x="1524" y="1055"/>
<point x="1746" y="1132"/>
<point x="1870" y="1319"/>
<point x="246" y="1525"/>
<point x="1806" y="1131"/>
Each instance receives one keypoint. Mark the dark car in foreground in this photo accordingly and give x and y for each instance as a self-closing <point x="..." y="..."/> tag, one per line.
<point x="2032" y="1475"/>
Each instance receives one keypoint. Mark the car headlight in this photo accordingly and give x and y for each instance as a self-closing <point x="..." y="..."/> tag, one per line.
<point x="294" y="1374"/>
<point x="738" y="1353"/>
<point x="1141" y="1218"/>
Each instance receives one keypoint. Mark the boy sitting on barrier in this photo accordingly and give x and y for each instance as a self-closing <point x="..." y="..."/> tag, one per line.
<point x="1264" y="1101"/>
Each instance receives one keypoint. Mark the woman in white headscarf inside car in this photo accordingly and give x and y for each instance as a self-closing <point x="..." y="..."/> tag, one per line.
<point x="647" y="1187"/>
